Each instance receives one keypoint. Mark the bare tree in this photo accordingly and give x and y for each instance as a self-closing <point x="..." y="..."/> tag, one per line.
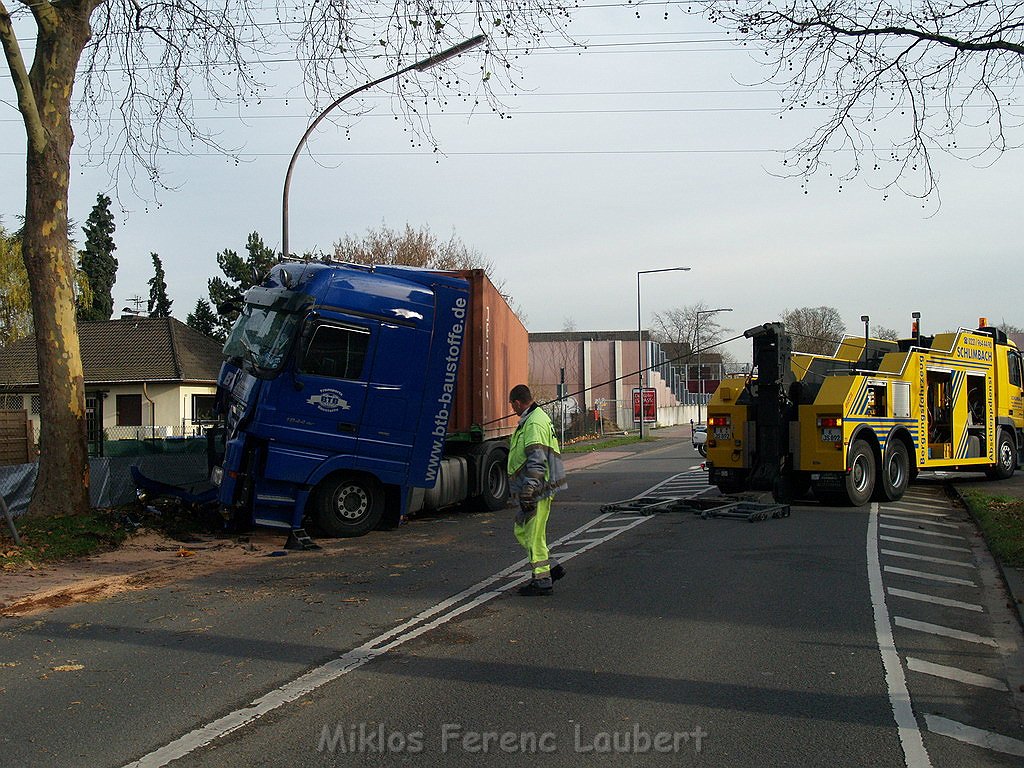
<point x="941" y="76"/>
<point x="885" y="333"/>
<point x="817" y="330"/>
<point x="679" y="332"/>
<point x="410" y="247"/>
<point x="136" y="67"/>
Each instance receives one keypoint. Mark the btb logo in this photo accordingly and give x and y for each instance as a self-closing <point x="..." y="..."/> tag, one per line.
<point x="329" y="400"/>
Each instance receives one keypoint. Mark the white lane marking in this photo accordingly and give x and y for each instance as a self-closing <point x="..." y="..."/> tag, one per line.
<point x="976" y="736"/>
<point x="920" y="532"/>
<point x="919" y="521"/>
<point x="955" y="674"/>
<point x="601" y="530"/>
<point x="900" y="507"/>
<point x="926" y="544"/>
<point x="439" y="614"/>
<point x="921" y="597"/>
<point x="914" y="753"/>
<point x="937" y="504"/>
<point x="928" y="576"/>
<point x="926" y="558"/>
<point x="938" y="629"/>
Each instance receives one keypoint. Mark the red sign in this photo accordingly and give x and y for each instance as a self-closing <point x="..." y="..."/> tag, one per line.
<point x="650" y="408"/>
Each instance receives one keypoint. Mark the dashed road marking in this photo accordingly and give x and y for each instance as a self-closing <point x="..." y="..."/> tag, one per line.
<point x="926" y="558"/>
<point x="925" y="544"/>
<point x="950" y="632"/>
<point x="920" y="532"/>
<point x="955" y="673"/>
<point x="928" y="576"/>
<point x="921" y="597"/>
<point x="918" y="520"/>
<point x="976" y="736"/>
<point x="903" y="507"/>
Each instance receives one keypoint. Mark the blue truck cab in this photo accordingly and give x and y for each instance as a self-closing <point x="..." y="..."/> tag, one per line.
<point x="336" y="396"/>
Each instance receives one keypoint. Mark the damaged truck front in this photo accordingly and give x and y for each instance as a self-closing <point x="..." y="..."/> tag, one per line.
<point x="356" y="394"/>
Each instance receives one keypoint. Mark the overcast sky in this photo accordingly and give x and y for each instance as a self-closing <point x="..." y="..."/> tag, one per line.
<point x="646" y="150"/>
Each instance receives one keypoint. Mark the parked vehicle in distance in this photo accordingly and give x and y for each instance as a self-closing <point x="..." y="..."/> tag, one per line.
<point x="699" y="436"/>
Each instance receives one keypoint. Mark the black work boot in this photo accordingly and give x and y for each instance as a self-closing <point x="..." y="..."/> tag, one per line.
<point x="533" y="588"/>
<point x="557" y="572"/>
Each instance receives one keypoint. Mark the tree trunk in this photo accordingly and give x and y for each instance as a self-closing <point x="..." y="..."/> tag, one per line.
<point x="62" y="486"/>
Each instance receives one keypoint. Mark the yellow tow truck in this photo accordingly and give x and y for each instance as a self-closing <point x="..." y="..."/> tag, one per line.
<point x="860" y="424"/>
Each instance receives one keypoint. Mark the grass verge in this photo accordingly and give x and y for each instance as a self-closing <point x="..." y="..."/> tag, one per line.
<point x="51" y="539"/>
<point x="588" y="445"/>
<point x="1001" y="519"/>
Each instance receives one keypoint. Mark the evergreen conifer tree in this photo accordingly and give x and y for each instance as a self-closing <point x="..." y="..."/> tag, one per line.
<point x="98" y="262"/>
<point x="242" y="274"/>
<point x="159" y="304"/>
<point x="204" y="320"/>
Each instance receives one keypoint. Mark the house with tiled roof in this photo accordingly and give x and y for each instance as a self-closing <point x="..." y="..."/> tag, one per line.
<point x="144" y="377"/>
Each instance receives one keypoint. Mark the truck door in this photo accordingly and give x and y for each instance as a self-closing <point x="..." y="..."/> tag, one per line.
<point x="323" y="407"/>
<point x="1014" y="400"/>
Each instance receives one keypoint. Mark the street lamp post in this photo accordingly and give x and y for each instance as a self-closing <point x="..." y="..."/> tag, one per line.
<point x="696" y="338"/>
<point x="419" y="66"/>
<point x="641" y="372"/>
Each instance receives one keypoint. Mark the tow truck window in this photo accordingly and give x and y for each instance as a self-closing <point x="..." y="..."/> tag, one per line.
<point x="336" y="351"/>
<point x="1013" y="368"/>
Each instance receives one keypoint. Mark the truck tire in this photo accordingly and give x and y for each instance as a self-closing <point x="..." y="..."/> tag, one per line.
<point x="859" y="483"/>
<point x="348" y="505"/>
<point x="493" y="481"/>
<point x="894" y="474"/>
<point x="1006" y="456"/>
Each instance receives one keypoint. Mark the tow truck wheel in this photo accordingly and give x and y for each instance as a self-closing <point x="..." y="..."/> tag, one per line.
<point x="895" y="475"/>
<point x="348" y="505"/>
<point x="494" y="476"/>
<point x="859" y="483"/>
<point x="1006" y="457"/>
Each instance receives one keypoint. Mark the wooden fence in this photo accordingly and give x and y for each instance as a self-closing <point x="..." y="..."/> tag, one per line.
<point x="16" y="439"/>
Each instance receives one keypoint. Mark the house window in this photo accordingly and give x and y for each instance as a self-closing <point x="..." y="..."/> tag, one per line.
<point x="129" y="410"/>
<point x="336" y="351"/>
<point x="202" y="408"/>
<point x="37" y="404"/>
<point x="11" y="403"/>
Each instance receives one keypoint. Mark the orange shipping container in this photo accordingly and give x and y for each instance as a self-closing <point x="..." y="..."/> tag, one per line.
<point x="495" y="357"/>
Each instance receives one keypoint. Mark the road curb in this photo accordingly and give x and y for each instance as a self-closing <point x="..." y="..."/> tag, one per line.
<point x="1013" y="578"/>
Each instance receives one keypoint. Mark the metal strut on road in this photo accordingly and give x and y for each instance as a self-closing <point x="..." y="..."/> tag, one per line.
<point x="734" y="507"/>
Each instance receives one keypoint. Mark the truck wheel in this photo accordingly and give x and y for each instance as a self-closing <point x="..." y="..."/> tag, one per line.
<point x="859" y="483"/>
<point x="348" y="505"/>
<point x="1006" y="457"/>
<point x="894" y="476"/>
<point x="494" y="475"/>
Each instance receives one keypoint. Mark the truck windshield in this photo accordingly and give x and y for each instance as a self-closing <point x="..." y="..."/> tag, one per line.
<point x="262" y="336"/>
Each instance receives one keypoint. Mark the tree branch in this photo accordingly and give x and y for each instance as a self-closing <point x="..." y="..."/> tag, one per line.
<point x="22" y="84"/>
<point x="919" y="34"/>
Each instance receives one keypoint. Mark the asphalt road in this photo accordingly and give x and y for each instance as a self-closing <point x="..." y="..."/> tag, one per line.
<point x="672" y="640"/>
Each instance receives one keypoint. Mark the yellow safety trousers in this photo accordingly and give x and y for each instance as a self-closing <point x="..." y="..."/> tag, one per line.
<point x="533" y="536"/>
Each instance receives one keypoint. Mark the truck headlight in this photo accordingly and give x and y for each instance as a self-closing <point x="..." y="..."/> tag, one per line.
<point x="217" y="476"/>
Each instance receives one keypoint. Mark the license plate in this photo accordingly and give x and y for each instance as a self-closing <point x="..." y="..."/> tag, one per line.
<point x="723" y="433"/>
<point x="831" y="434"/>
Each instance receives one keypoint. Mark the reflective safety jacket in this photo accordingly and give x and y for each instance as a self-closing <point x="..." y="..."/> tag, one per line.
<point x="535" y="467"/>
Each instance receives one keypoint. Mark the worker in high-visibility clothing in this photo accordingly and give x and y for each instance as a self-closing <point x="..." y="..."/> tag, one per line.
<point x="536" y="473"/>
